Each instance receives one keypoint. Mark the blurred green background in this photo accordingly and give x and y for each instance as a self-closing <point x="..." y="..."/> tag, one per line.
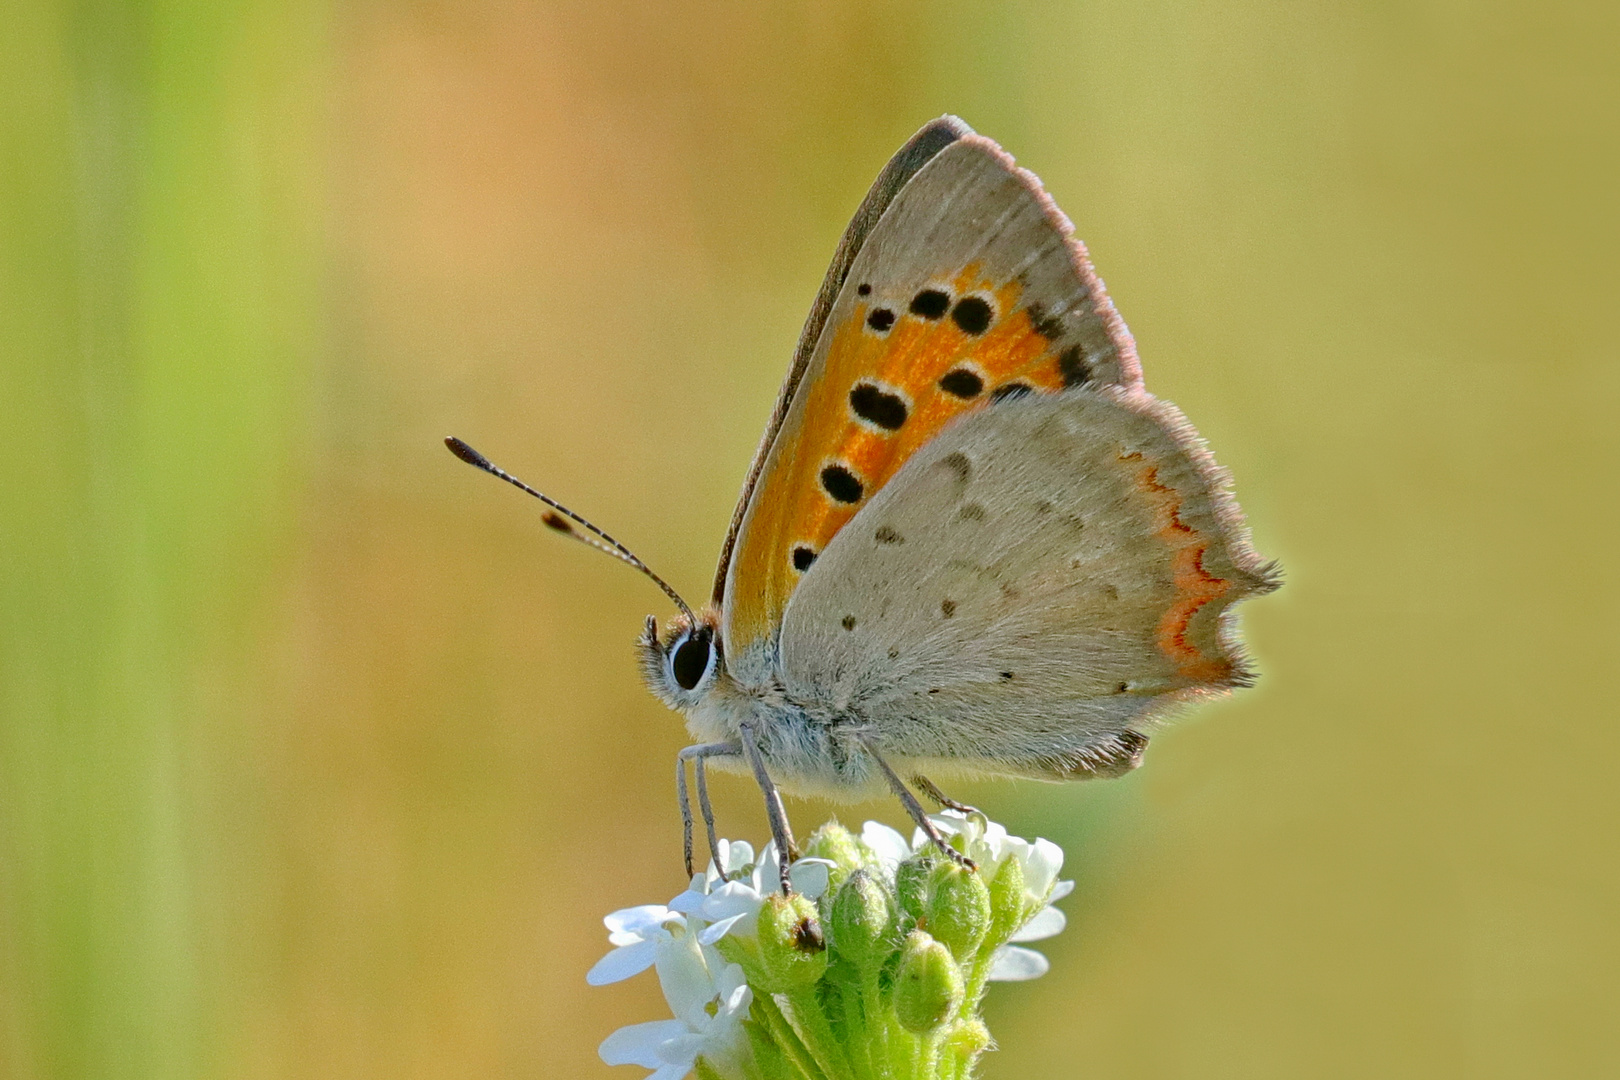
<point x="318" y="758"/>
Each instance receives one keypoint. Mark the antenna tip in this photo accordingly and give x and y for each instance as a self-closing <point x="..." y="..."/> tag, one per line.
<point x="465" y="452"/>
<point x="558" y="522"/>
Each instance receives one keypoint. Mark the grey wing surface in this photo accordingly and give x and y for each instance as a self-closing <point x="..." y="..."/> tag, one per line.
<point x="1028" y="590"/>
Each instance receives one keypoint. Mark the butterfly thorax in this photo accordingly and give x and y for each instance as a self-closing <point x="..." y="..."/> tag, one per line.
<point x="808" y="749"/>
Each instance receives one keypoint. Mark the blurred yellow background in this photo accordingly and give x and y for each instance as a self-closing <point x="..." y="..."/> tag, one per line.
<point x="320" y="758"/>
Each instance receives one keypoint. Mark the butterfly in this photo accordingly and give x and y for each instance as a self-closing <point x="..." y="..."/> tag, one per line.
<point x="971" y="542"/>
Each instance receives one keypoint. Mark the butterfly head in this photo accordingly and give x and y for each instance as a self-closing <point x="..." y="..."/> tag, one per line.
<point x="682" y="662"/>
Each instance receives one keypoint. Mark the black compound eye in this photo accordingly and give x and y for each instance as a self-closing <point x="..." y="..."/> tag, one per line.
<point x="690" y="661"/>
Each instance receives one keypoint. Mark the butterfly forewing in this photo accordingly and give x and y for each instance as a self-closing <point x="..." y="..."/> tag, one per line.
<point x="1026" y="587"/>
<point x="968" y="290"/>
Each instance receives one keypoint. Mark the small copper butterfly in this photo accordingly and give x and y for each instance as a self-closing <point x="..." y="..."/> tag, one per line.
<point x="971" y="542"/>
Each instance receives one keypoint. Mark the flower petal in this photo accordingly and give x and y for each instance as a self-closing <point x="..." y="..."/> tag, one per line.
<point x="715" y="931"/>
<point x="689" y="902"/>
<point x="811" y="876"/>
<point x="737" y="853"/>
<point x="1059" y="891"/>
<point x="638" y="1044"/>
<point x="735" y="1004"/>
<point x="1045" y="923"/>
<point x="732" y="898"/>
<point x="682" y="1050"/>
<point x="1041" y="869"/>
<point x="886" y="843"/>
<point x="636" y="920"/>
<point x="1012" y="964"/>
<point x="671" y="1072"/>
<point x="767" y="869"/>
<point x="683" y="975"/>
<point x="623" y="962"/>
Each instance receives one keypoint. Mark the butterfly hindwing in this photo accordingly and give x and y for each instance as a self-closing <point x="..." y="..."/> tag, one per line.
<point x="1028" y="586"/>
<point x="967" y="290"/>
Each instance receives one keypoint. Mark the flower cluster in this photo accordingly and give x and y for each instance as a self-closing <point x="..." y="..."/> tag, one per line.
<point x="875" y="967"/>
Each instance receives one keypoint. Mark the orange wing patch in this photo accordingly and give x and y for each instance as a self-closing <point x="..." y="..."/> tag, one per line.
<point x="1194" y="586"/>
<point x="898" y="370"/>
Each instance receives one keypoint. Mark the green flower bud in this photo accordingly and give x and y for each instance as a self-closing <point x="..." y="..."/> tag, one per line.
<point x="968" y="1039"/>
<point x="862" y="921"/>
<point x="911" y="884"/>
<point x="792" y="952"/>
<point x="927" y="984"/>
<point x="1007" y="911"/>
<point x="835" y="843"/>
<point x="958" y="908"/>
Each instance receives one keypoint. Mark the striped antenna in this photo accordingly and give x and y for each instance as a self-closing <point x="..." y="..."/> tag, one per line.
<point x="563" y="520"/>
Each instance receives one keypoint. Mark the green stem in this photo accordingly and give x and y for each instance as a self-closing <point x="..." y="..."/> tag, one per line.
<point x="930" y="1056"/>
<point x="804" y="1012"/>
<point x="769" y="1061"/>
<point x="877" y="1018"/>
<point x="978" y="977"/>
<point x="793" y="1051"/>
<point x="858" y="1036"/>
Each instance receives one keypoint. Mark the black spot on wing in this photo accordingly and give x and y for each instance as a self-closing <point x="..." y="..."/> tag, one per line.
<point x="958" y="463"/>
<point x="841" y="484"/>
<point x="930" y="304"/>
<point x="962" y="383"/>
<point x="1048" y="326"/>
<point x="863" y="289"/>
<point x="886" y="535"/>
<point x="947" y="608"/>
<point x="803" y="557"/>
<point x="1073" y="367"/>
<point x="972" y="314"/>
<point x="880" y="320"/>
<point x="848" y="622"/>
<point x="877" y="406"/>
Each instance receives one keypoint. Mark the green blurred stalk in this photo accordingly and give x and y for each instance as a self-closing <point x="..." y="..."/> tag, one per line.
<point x="159" y="269"/>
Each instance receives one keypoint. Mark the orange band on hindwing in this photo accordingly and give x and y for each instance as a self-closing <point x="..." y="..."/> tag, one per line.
<point x="1195" y="586"/>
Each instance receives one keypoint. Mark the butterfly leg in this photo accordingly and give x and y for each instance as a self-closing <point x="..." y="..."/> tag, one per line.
<point x="700" y="769"/>
<point x="698" y="755"/>
<point x="786" y="849"/>
<point x="915" y="808"/>
<point x="928" y="789"/>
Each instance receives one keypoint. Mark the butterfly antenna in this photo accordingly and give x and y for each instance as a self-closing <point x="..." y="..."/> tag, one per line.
<point x="563" y="520"/>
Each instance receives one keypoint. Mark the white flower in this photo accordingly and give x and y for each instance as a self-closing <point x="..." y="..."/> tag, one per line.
<point x="709" y="997"/>
<point x="732" y="899"/>
<point x="671" y="1047"/>
<point x="989" y="844"/>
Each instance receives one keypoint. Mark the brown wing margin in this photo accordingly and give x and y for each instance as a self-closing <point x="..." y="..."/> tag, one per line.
<point x="922" y="148"/>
